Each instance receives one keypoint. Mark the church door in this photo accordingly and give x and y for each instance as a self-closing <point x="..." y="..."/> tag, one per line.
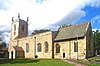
<point x="63" y="55"/>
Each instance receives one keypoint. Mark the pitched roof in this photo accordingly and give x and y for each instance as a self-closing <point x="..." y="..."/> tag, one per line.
<point x="17" y="48"/>
<point x="72" y="31"/>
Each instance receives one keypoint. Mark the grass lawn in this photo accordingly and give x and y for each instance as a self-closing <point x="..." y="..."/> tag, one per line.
<point x="33" y="62"/>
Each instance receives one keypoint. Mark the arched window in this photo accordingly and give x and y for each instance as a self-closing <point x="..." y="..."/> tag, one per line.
<point x="27" y="47"/>
<point x="57" y="48"/>
<point x="75" y="46"/>
<point x="46" y="46"/>
<point x="39" y="47"/>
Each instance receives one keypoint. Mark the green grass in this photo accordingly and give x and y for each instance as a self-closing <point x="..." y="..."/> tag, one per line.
<point x="33" y="62"/>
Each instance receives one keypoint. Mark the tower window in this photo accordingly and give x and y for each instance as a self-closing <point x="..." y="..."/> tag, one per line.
<point x="22" y="27"/>
<point x="14" y="27"/>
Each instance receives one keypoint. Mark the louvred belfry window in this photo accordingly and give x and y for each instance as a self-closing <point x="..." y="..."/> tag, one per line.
<point x="14" y="29"/>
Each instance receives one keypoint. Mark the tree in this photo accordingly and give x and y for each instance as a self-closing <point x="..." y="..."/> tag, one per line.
<point x="2" y="39"/>
<point x="39" y="31"/>
<point x="96" y="38"/>
<point x="3" y="49"/>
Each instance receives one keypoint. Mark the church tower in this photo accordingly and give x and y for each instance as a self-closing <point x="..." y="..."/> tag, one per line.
<point x="19" y="28"/>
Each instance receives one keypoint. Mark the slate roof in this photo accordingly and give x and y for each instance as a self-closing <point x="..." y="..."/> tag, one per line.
<point x="17" y="48"/>
<point x="72" y="31"/>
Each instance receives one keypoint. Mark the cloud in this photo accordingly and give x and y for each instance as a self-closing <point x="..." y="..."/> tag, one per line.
<point x="95" y="29"/>
<point x="78" y="12"/>
<point x="4" y="28"/>
<point x="4" y="4"/>
<point x="5" y="31"/>
<point x="96" y="21"/>
<point x="72" y="17"/>
<point x="95" y="3"/>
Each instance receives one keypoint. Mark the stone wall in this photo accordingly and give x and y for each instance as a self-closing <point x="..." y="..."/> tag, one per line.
<point x="33" y="41"/>
<point x="42" y="38"/>
<point x="28" y="40"/>
<point x="22" y="43"/>
<point x="14" y="32"/>
<point x="67" y="47"/>
<point x="89" y="41"/>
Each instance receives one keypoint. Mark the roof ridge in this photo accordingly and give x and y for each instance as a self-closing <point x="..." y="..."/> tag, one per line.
<point x="76" y="25"/>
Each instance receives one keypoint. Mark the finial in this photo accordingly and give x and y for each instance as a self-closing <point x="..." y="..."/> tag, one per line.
<point x="27" y="19"/>
<point x="12" y="19"/>
<point x="19" y="15"/>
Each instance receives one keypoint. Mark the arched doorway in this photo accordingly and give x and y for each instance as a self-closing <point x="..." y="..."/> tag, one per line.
<point x="12" y="55"/>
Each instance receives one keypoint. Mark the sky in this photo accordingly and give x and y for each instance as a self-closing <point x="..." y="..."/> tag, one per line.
<point x="49" y="14"/>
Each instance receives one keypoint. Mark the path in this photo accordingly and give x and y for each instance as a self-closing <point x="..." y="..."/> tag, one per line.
<point x="72" y="62"/>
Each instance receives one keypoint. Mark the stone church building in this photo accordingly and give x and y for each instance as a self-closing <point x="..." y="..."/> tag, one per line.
<point x="69" y="42"/>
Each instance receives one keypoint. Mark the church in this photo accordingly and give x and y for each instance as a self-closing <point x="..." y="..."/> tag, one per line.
<point x="68" y="42"/>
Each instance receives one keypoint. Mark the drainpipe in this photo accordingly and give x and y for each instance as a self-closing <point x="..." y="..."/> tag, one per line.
<point x="34" y="45"/>
<point x="69" y="49"/>
<point x="77" y="47"/>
